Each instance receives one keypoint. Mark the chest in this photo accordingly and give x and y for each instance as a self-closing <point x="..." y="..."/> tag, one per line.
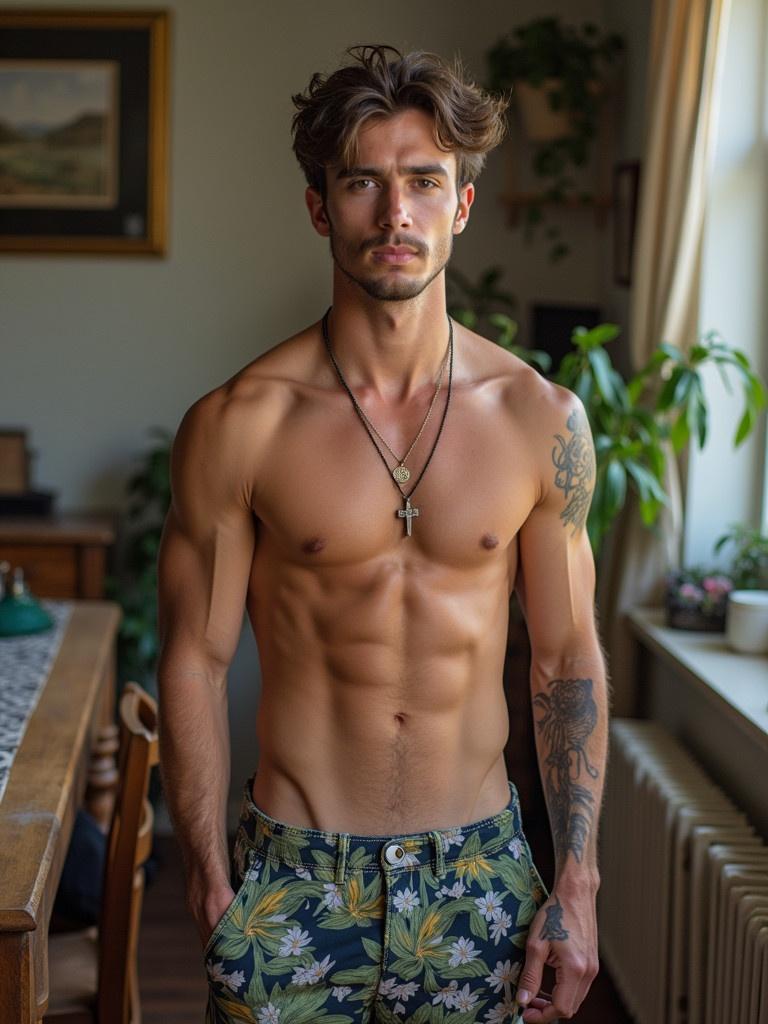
<point x="325" y="496"/>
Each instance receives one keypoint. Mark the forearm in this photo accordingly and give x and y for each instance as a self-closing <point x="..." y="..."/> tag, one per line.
<point x="195" y="767"/>
<point x="570" y="706"/>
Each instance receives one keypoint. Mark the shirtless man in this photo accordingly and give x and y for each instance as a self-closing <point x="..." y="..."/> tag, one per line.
<point x="380" y="869"/>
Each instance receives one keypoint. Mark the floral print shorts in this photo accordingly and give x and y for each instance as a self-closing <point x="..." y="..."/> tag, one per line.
<point x="333" y="927"/>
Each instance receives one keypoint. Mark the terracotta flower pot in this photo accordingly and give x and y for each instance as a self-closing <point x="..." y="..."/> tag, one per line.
<point x="540" y="122"/>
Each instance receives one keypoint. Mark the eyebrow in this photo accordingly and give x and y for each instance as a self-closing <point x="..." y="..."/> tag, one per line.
<point x="376" y="172"/>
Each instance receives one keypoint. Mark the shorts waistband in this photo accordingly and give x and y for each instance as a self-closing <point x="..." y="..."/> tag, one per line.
<point x="305" y="848"/>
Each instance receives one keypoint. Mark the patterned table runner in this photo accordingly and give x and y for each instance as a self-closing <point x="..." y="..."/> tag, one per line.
<point x="24" y="665"/>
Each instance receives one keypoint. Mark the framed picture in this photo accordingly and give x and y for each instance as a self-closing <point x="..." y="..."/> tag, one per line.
<point x="626" y="181"/>
<point x="83" y="131"/>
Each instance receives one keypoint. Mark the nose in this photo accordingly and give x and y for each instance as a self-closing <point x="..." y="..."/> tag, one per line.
<point x="393" y="212"/>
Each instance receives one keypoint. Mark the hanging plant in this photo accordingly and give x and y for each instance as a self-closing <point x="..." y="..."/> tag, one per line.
<point x="557" y="74"/>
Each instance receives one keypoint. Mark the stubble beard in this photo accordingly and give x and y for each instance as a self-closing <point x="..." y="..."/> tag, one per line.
<point x="390" y="288"/>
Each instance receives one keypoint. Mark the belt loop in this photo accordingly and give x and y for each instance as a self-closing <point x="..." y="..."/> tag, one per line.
<point x="341" y="860"/>
<point x="439" y="854"/>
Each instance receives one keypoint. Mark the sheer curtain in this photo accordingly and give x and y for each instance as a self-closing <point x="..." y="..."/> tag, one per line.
<point x="684" y="69"/>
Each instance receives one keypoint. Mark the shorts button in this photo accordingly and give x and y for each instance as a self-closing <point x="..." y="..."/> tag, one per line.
<point x="394" y="853"/>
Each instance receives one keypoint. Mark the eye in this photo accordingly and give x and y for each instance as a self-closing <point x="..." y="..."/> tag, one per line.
<point x="426" y="183"/>
<point x="360" y="184"/>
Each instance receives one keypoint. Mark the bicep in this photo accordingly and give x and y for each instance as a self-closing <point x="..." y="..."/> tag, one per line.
<point x="556" y="570"/>
<point x="555" y="585"/>
<point x="208" y="540"/>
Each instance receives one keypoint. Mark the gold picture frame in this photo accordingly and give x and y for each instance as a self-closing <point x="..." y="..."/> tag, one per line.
<point x="84" y="131"/>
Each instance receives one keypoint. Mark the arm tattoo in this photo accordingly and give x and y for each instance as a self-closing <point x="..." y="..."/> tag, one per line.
<point x="570" y="715"/>
<point x="574" y="461"/>
<point x="553" y="926"/>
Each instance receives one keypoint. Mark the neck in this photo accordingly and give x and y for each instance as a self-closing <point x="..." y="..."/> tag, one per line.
<point x="392" y="349"/>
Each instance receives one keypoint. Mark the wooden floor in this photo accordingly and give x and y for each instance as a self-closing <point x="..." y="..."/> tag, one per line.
<point x="171" y="973"/>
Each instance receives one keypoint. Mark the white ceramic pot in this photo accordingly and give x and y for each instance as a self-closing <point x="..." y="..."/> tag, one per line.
<point x="746" y="621"/>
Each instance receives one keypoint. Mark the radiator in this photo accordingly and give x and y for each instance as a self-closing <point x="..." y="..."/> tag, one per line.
<point x="683" y="901"/>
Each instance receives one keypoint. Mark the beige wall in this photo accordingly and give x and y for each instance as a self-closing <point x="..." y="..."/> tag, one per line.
<point x="96" y="350"/>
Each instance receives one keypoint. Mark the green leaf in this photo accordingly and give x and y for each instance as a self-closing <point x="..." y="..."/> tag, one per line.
<point x="601" y="334"/>
<point x="680" y="432"/>
<point x="635" y="388"/>
<point x="756" y="392"/>
<point x="603" y="371"/>
<point x="744" y="428"/>
<point x="584" y="387"/>
<point x="657" y="460"/>
<point x="702" y="420"/>
<point x="696" y="412"/>
<point x="615" y="485"/>
<point x="649" y="510"/>
<point x="667" y="395"/>
<point x="740" y="358"/>
<point x="672" y="352"/>
<point x="646" y="481"/>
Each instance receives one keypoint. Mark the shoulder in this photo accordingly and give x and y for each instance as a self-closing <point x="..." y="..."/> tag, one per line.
<point x="538" y="403"/>
<point x="259" y="391"/>
<point x="552" y="424"/>
<point x="225" y="430"/>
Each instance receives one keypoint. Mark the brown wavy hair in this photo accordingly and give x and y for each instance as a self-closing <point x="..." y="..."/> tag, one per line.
<point x="334" y="108"/>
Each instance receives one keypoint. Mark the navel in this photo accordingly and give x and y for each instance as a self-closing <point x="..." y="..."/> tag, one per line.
<point x="313" y="545"/>
<point x="489" y="541"/>
<point x="400" y="717"/>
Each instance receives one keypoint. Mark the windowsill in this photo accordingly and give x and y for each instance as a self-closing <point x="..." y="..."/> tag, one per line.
<point x="736" y="683"/>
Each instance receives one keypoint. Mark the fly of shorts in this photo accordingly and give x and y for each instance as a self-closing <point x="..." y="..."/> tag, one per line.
<point x="341" y="928"/>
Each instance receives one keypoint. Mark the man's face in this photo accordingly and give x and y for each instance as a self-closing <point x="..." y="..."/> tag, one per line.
<point x="391" y="218"/>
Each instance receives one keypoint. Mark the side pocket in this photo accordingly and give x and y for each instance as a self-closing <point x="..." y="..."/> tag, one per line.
<point x="249" y="854"/>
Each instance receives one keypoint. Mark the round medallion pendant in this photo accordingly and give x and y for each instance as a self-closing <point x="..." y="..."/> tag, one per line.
<point x="401" y="474"/>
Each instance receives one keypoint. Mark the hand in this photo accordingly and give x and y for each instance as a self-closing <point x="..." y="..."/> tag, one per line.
<point x="209" y="910"/>
<point x="564" y="935"/>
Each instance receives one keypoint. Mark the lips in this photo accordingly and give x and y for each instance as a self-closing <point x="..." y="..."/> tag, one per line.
<point x="394" y="254"/>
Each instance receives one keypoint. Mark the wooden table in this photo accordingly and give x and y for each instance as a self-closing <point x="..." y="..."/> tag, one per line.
<point x="65" y="760"/>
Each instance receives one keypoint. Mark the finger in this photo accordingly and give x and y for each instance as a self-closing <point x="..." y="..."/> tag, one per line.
<point x="545" y="1016"/>
<point x="561" y="1004"/>
<point x="540" y="1002"/>
<point x="529" y="981"/>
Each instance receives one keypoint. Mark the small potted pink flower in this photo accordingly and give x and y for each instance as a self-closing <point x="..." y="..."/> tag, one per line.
<point x="696" y="599"/>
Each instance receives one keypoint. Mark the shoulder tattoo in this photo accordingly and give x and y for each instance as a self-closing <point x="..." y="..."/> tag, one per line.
<point x="574" y="461"/>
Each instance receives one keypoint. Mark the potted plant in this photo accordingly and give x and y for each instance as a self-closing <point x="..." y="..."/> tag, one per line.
<point x="558" y="75"/>
<point x="697" y="599"/>
<point x="749" y="565"/>
<point x="632" y="421"/>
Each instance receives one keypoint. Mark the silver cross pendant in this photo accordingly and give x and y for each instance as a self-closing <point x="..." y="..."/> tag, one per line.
<point x="407" y="514"/>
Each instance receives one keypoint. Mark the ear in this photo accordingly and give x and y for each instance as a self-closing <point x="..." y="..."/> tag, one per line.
<point x="317" y="213"/>
<point x="466" y="198"/>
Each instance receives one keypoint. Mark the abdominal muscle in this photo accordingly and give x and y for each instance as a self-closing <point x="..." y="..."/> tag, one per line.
<point x="382" y="707"/>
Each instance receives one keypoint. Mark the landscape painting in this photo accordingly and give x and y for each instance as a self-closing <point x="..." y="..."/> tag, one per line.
<point x="84" y="99"/>
<point x="58" y="133"/>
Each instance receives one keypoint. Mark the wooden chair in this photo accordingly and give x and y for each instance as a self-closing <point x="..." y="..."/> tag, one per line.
<point x="93" y="972"/>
